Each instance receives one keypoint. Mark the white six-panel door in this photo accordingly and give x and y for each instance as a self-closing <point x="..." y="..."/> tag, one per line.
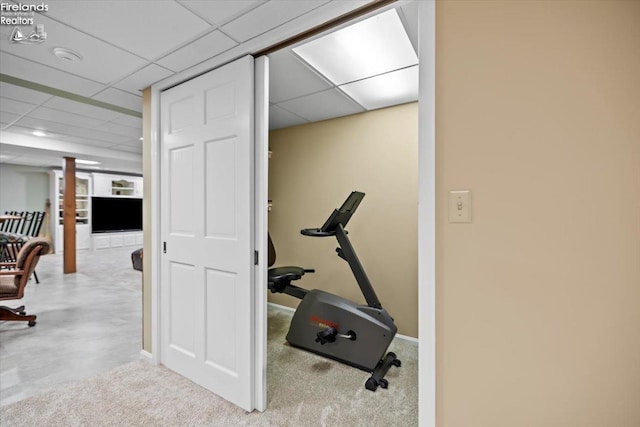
<point x="207" y="194"/>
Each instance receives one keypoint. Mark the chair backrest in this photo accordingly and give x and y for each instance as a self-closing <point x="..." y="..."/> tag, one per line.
<point x="12" y="225"/>
<point x="31" y="224"/>
<point x="27" y="259"/>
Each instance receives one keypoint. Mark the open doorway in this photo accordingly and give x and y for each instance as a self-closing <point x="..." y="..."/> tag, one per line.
<point x="426" y="217"/>
<point x="323" y="144"/>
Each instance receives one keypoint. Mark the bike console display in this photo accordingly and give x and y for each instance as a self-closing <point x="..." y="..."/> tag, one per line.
<point x="339" y="216"/>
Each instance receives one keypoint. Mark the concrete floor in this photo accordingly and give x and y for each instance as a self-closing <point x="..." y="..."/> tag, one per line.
<point x="88" y="322"/>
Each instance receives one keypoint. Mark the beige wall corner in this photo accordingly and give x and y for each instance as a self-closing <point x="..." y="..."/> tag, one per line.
<point x="313" y="169"/>
<point x="538" y="299"/>
<point x="146" y="220"/>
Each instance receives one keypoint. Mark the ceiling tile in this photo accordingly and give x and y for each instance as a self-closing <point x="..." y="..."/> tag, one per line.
<point x="64" y="118"/>
<point x="119" y="130"/>
<point x="220" y="11"/>
<point x="100" y="62"/>
<point x="121" y="98"/>
<point x="6" y="118"/>
<point x="268" y="16"/>
<point x="16" y="107"/>
<point x="45" y="75"/>
<point x="146" y="28"/>
<point x="322" y="105"/>
<point x="82" y="109"/>
<point x="127" y="148"/>
<point x="125" y="120"/>
<point x="204" y="48"/>
<point x="142" y="79"/>
<point x="90" y="142"/>
<point x="62" y="131"/>
<point x="290" y="78"/>
<point x="22" y="93"/>
<point x="280" y="118"/>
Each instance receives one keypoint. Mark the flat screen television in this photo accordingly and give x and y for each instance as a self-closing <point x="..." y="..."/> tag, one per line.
<point x="113" y="214"/>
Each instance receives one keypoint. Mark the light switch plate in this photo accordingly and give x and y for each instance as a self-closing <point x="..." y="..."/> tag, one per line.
<point x="460" y="206"/>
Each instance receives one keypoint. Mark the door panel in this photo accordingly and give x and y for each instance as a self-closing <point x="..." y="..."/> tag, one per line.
<point x="207" y="288"/>
<point x="220" y="200"/>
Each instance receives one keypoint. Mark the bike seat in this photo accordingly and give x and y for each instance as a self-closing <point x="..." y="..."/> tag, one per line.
<point x="285" y="274"/>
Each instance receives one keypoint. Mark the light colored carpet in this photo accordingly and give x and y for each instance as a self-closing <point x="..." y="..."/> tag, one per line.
<point x="303" y="390"/>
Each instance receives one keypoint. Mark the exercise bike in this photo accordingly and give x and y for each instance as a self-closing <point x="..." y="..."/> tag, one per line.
<point x="335" y="327"/>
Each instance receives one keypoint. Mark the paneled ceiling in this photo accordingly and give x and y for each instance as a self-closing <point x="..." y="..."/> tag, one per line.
<point x="91" y="108"/>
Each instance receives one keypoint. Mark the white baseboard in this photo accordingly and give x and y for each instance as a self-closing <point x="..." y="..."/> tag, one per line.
<point x="281" y="307"/>
<point x="145" y="355"/>
<point x="292" y="310"/>
<point x="407" y="338"/>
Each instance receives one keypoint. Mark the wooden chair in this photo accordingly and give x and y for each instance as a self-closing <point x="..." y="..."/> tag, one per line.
<point x="14" y="279"/>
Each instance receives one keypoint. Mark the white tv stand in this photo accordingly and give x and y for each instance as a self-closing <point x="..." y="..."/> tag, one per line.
<point x="116" y="239"/>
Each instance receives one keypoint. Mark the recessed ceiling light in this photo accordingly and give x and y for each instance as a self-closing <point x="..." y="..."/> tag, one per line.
<point x="38" y="133"/>
<point x="87" y="162"/>
<point x="385" y="90"/>
<point x="67" y="54"/>
<point x="374" y="46"/>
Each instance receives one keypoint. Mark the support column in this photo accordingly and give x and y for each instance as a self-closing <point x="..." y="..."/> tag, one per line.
<point x="69" y="215"/>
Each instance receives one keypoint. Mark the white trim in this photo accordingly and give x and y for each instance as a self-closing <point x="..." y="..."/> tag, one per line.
<point x="281" y="307"/>
<point x="427" y="215"/>
<point x="145" y="355"/>
<point x="407" y="338"/>
<point x="156" y="231"/>
<point x="261" y="183"/>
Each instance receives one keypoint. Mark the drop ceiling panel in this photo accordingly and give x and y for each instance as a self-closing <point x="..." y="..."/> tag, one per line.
<point x="268" y="16"/>
<point x="100" y="62"/>
<point x="60" y="137"/>
<point x="66" y="130"/>
<point x="6" y="118"/>
<point x="280" y="118"/>
<point x="322" y="105"/>
<point x="205" y="47"/>
<point x="121" y="98"/>
<point x="119" y="130"/>
<point x="90" y="142"/>
<point x="82" y="109"/>
<point x="16" y="107"/>
<point x="220" y="11"/>
<point x="160" y="32"/>
<point x="290" y="78"/>
<point x="128" y="148"/>
<point x="142" y="79"/>
<point x="148" y="29"/>
<point x="63" y="117"/>
<point x="42" y="74"/>
<point x="125" y="120"/>
<point x="22" y="94"/>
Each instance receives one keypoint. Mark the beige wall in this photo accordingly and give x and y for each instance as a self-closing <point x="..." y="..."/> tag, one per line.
<point x="538" y="113"/>
<point x="146" y="220"/>
<point x="312" y="170"/>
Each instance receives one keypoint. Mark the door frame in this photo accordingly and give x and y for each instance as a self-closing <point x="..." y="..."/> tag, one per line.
<point x="426" y="214"/>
